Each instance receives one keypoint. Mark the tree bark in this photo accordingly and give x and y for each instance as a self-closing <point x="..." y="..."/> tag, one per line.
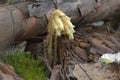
<point x="80" y="11"/>
<point x="12" y="21"/>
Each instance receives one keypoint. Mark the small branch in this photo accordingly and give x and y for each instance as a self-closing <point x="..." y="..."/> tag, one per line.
<point x="55" y="72"/>
<point x="55" y="50"/>
<point x="45" y="58"/>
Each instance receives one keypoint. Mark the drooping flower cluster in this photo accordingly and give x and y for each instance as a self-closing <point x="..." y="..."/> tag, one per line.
<point x="59" y="24"/>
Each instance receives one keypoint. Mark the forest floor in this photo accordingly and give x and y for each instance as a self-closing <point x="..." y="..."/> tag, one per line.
<point x="98" y="71"/>
<point x="89" y="44"/>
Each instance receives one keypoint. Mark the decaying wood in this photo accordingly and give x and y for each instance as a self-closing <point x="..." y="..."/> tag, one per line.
<point x="92" y="41"/>
<point x="12" y="20"/>
<point x="7" y="72"/>
<point x="55" y="73"/>
<point x="16" y="26"/>
<point x="81" y="11"/>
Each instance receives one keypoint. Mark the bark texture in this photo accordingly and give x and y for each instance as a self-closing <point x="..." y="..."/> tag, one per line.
<point x="12" y="21"/>
<point x="81" y="10"/>
<point x="7" y="73"/>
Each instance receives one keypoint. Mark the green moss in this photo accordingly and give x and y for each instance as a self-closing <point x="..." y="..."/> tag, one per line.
<point x="26" y="66"/>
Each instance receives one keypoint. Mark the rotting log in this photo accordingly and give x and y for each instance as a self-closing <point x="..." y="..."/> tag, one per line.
<point x="16" y="25"/>
<point x="80" y="11"/>
<point x="12" y="21"/>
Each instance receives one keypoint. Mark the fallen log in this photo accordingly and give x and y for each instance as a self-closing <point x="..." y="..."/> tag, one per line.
<point x="80" y="11"/>
<point x="16" y="26"/>
<point x="12" y="21"/>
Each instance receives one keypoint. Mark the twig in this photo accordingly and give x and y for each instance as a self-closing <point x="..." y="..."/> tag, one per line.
<point x="46" y="60"/>
<point x="62" y="76"/>
<point x="55" y="49"/>
<point x="78" y="33"/>
<point x="55" y="72"/>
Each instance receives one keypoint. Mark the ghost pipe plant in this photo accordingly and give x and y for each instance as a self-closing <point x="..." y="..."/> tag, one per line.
<point x="59" y="24"/>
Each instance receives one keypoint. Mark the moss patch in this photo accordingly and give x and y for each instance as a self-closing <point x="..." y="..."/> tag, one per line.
<point x="26" y="66"/>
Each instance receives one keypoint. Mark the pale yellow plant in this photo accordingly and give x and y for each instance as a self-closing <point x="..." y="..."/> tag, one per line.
<point x="59" y="24"/>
